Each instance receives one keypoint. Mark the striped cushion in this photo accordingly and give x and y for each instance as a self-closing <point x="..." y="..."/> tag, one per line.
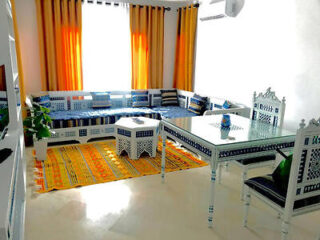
<point x="169" y="98"/>
<point x="140" y="98"/>
<point x="266" y="186"/>
<point x="197" y="104"/>
<point x="42" y="99"/>
<point x="101" y="100"/>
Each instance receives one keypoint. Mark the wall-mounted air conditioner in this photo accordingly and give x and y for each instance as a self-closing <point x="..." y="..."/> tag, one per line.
<point x="216" y="9"/>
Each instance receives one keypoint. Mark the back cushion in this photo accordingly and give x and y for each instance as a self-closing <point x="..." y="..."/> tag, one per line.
<point x="42" y="99"/>
<point x="140" y="98"/>
<point x="197" y="104"/>
<point x="169" y="98"/>
<point x="101" y="100"/>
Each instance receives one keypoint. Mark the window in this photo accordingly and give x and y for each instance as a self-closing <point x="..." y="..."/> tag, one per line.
<point x="106" y="47"/>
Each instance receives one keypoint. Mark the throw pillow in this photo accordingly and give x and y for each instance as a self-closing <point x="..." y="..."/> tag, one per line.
<point x="101" y="100"/>
<point x="282" y="173"/>
<point x="197" y="104"/>
<point x="169" y="98"/>
<point x="42" y="99"/>
<point x="140" y="98"/>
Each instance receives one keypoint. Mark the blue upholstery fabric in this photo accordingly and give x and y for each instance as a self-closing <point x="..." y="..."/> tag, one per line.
<point x="257" y="159"/>
<point x="266" y="186"/>
<point x="101" y="100"/>
<point x="140" y="98"/>
<point x="173" y="112"/>
<point x="87" y="117"/>
<point x="42" y="99"/>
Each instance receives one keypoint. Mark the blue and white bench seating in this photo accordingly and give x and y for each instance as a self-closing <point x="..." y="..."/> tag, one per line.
<point x="75" y="117"/>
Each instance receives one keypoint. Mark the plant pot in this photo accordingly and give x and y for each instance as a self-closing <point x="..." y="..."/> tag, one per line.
<point x="41" y="149"/>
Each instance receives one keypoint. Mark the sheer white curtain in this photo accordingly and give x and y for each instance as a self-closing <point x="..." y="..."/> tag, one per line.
<point x="106" y="47"/>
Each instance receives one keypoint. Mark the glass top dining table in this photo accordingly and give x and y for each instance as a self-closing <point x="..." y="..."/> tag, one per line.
<point x="205" y="136"/>
<point x="242" y="129"/>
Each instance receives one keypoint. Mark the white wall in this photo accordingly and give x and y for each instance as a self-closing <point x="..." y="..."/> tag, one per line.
<point x="170" y="34"/>
<point x="28" y="33"/>
<point x="271" y="43"/>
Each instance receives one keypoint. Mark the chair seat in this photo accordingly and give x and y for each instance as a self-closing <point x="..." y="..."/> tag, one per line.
<point x="257" y="159"/>
<point x="266" y="186"/>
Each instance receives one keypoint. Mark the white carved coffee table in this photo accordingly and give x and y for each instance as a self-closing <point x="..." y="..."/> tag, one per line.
<point x="136" y="135"/>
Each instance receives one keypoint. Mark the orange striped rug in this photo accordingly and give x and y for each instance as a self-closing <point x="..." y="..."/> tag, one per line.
<point x="86" y="164"/>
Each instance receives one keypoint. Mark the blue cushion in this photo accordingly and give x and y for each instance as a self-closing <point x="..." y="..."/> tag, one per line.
<point x="227" y="104"/>
<point x="169" y="98"/>
<point x="173" y="112"/>
<point x="205" y="99"/>
<point x="197" y="104"/>
<point x="140" y="98"/>
<point x="101" y="100"/>
<point x="42" y="99"/>
<point x="266" y="186"/>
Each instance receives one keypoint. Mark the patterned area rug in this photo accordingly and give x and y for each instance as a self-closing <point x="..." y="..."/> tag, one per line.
<point x="86" y="164"/>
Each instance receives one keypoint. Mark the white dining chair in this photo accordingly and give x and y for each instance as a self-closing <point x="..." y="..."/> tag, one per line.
<point x="269" y="109"/>
<point x="303" y="192"/>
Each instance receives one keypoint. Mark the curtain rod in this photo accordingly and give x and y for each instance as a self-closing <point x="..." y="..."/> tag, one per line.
<point x="116" y="4"/>
<point x="153" y="7"/>
<point x="196" y="5"/>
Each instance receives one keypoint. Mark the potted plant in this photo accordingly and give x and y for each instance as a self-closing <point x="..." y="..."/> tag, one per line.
<point x="37" y="126"/>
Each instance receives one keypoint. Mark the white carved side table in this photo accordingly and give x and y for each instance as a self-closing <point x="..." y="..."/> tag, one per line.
<point x="136" y="135"/>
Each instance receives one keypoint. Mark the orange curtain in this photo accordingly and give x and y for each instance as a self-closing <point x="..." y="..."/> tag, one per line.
<point x="59" y="29"/>
<point x="147" y="34"/>
<point x="185" y="45"/>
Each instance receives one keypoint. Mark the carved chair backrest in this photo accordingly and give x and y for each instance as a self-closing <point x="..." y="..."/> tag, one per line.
<point x="268" y="108"/>
<point x="304" y="181"/>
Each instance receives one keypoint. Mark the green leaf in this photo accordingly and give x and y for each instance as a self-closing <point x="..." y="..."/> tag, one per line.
<point x="47" y="118"/>
<point x="27" y="122"/>
<point x="37" y="124"/>
<point x="44" y="109"/>
<point x="43" y="132"/>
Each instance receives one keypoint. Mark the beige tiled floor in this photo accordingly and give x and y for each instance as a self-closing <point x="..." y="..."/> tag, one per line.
<point x="143" y="208"/>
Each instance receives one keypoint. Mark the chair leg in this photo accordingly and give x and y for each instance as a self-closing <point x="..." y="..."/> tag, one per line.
<point x="244" y="178"/>
<point x="220" y="173"/>
<point x="246" y="206"/>
<point x="285" y="227"/>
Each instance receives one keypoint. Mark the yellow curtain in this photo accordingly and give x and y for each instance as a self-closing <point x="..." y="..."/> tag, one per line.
<point x="19" y="61"/>
<point x="185" y="45"/>
<point x="147" y="27"/>
<point x="59" y="29"/>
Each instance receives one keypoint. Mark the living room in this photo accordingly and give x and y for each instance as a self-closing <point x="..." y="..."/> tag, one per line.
<point x="147" y="119"/>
